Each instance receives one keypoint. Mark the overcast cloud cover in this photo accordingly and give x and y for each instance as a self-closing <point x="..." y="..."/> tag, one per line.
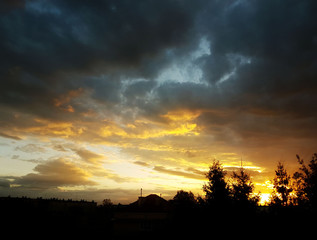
<point x="168" y="84"/>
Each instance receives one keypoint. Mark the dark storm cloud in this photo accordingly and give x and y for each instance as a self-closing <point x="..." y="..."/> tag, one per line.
<point x="48" y="48"/>
<point x="269" y="47"/>
<point x="8" y="5"/>
<point x="261" y="69"/>
<point x="45" y="37"/>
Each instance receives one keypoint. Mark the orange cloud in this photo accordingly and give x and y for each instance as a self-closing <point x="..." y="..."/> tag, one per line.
<point x="89" y="156"/>
<point x="186" y="174"/>
<point x="148" y="132"/>
<point x="55" y="173"/>
<point x="182" y="115"/>
<point x="180" y="123"/>
<point x="62" y="102"/>
<point x="61" y="129"/>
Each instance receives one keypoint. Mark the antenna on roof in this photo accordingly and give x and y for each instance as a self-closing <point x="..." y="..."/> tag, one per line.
<point x="141" y="192"/>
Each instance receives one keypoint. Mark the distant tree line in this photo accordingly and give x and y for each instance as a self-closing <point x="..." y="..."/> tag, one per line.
<point x="300" y="189"/>
<point x="228" y="202"/>
<point x="233" y="202"/>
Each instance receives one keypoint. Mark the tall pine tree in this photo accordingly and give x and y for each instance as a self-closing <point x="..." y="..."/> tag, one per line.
<point x="217" y="189"/>
<point x="282" y="187"/>
<point x="242" y="189"/>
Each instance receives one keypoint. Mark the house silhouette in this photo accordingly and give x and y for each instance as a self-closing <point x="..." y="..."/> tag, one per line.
<point x="151" y="202"/>
<point x="147" y="215"/>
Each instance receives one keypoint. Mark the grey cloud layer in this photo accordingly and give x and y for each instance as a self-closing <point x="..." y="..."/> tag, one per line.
<point x="49" y="48"/>
<point x="45" y="37"/>
<point x="261" y="68"/>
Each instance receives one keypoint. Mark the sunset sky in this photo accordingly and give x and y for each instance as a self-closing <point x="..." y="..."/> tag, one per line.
<point x="101" y="98"/>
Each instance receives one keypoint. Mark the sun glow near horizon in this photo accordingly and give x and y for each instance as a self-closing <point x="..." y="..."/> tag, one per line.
<point x="95" y="167"/>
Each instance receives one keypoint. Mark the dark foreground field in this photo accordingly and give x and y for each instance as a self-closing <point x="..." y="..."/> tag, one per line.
<point x="148" y="218"/>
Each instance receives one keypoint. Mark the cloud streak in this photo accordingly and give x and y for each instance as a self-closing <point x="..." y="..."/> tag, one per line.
<point x="9" y="136"/>
<point x="179" y="173"/>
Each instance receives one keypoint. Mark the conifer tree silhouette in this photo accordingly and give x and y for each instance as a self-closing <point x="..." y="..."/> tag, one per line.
<point x="217" y="189"/>
<point x="242" y="189"/>
<point x="305" y="182"/>
<point x="282" y="187"/>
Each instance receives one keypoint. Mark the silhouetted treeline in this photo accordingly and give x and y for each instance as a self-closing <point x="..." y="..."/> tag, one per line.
<point x="53" y="218"/>
<point x="297" y="190"/>
<point x="292" y="208"/>
<point x="229" y="208"/>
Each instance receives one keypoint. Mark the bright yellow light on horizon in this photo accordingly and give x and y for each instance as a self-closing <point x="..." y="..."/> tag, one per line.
<point x="264" y="198"/>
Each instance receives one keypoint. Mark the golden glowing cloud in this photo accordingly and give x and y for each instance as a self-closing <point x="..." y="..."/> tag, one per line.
<point x="62" y="102"/>
<point x="61" y="129"/>
<point x="178" y="126"/>
<point x="54" y="173"/>
<point x="182" y="115"/>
